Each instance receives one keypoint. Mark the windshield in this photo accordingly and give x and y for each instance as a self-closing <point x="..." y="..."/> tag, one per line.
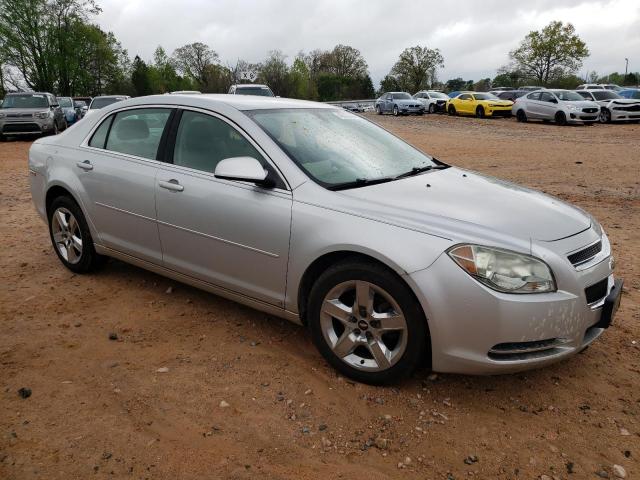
<point x="567" y="96"/>
<point x="25" y="101"/>
<point x="79" y="103"/>
<point x="103" y="102"/>
<point x="485" y="96"/>
<point x="65" y="102"/>
<point x="438" y="95"/>
<point x="402" y="96"/>
<point x="337" y="147"/>
<point x="259" y="91"/>
<point x="608" y="95"/>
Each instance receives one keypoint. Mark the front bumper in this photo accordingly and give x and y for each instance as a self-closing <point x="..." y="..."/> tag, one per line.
<point x="476" y="330"/>
<point x="25" y="126"/>
<point x="411" y="110"/>
<point x="620" y="115"/>
<point x="583" y="117"/>
<point x="498" y="112"/>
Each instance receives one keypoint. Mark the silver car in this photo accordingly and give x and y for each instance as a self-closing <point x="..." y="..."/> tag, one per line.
<point x="306" y="211"/>
<point x="561" y="106"/>
<point x="399" y="103"/>
<point x="30" y="113"/>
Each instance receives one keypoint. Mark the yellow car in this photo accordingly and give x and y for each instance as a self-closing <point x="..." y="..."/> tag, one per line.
<point x="479" y="104"/>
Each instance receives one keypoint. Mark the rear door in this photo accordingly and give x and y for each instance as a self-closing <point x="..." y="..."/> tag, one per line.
<point x="232" y="234"/>
<point x="117" y="169"/>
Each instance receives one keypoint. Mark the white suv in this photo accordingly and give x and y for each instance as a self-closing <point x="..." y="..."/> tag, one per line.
<point x="251" y="89"/>
<point x="599" y="86"/>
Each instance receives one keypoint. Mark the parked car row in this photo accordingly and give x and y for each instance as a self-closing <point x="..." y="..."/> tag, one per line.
<point x="589" y="104"/>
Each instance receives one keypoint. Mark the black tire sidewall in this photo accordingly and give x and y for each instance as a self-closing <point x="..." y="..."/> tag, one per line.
<point x="417" y="342"/>
<point x="451" y="110"/>
<point x="432" y="108"/>
<point x="480" y="112"/>
<point x="396" y="111"/>
<point x="561" y="118"/>
<point x="521" y="116"/>
<point x="89" y="259"/>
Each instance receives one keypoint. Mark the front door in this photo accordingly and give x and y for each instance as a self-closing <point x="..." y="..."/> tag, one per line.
<point x="232" y="234"/>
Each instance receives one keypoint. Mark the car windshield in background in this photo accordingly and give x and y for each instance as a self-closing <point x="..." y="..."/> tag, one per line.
<point x="25" y="101"/>
<point x="337" y="148"/>
<point x="103" y="102"/>
<point x="608" y="95"/>
<point x="262" y="92"/>
<point x="80" y="104"/>
<point x="65" y="102"/>
<point x="438" y="95"/>
<point x="402" y="96"/>
<point x="485" y="96"/>
<point x="567" y="96"/>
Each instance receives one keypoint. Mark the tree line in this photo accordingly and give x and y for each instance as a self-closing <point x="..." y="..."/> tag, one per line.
<point x="52" y="45"/>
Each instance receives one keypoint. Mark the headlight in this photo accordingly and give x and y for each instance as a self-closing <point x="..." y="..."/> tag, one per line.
<point x="1" y="115"/>
<point x="41" y="114"/>
<point x="573" y="107"/>
<point x="503" y="270"/>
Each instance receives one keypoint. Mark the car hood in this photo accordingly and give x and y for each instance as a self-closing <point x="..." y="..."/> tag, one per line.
<point x="453" y="198"/>
<point x="581" y="103"/>
<point x="502" y="103"/>
<point x="412" y="101"/>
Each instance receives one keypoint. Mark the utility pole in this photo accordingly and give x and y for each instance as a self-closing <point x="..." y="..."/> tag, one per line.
<point x="626" y="66"/>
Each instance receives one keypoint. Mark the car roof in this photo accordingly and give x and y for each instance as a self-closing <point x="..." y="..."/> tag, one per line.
<point x="29" y="93"/>
<point x="239" y="102"/>
<point x="250" y="85"/>
<point x="111" y="96"/>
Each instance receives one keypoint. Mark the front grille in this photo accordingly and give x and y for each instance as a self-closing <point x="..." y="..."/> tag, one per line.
<point x="19" y="115"/>
<point x="527" y="350"/>
<point x="589" y="110"/>
<point x="597" y="291"/>
<point x="585" y="254"/>
<point x="588" y="118"/>
<point x="501" y="113"/>
<point x="630" y="108"/>
<point x="20" y="127"/>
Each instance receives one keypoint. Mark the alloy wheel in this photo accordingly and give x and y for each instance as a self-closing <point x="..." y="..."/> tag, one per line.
<point x="363" y="326"/>
<point x="67" y="235"/>
<point x="605" y="116"/>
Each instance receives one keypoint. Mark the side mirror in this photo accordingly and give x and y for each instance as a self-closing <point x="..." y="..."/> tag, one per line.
<point x="246" y="169"/>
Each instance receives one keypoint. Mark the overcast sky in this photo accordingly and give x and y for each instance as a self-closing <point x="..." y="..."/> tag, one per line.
<point x="474" y="36"/>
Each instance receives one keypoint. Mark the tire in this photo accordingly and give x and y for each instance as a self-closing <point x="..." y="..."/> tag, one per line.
<point x="3" y="138"/>
<point x="56" y="129"/>
<point x="605" y="116"/>
<point x="395" y="111"/>
<point x="378" y="110"/>
<point x="480" y="112"/>
<point x="521" y="116"/>
<point x="452" y="111"/>
<point x="70" y="236"/>
<point x="351" y="344"/>
<point x="561" y="118"/>
<point x="432" y="108"/>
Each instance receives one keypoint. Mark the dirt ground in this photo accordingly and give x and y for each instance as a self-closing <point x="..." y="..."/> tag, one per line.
<point x="101" y="409"/>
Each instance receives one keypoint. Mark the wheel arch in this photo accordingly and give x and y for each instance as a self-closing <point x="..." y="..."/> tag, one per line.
<point x="56" y="190"/>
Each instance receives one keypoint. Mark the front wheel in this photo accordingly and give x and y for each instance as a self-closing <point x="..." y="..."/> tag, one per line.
<point x="452" y="110"/>
<point x="395" y="111"/>
<point x="378" y="110"/>
<point x="432" y="108"/>
<point x="561" y="118"/>
<point x="480" y="112"/>
<point x="521" y="116"/>
<point x="605" y="116"/>
<point x="71" y="237"/>
<point x="366" y="322"/>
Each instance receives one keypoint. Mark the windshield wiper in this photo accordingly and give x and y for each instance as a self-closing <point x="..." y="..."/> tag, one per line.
<point x="418" y="170"/>
<point x="359" y="182"/>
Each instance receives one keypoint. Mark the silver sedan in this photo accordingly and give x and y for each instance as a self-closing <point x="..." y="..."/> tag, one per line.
<point x="389" y="256"/>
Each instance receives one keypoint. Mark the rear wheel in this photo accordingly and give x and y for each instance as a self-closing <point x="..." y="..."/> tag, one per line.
<point x="378" y="110"/>
<point x="561" y="118"/>
<point x="366" y="322"/>
<point x="71" y="237"/>
<point x="521" y="116"/>
<point x="480" y="111"/>
<point x="432" y="108"/>
<point x="605" y="116"/>
<point x="452" y="110"/>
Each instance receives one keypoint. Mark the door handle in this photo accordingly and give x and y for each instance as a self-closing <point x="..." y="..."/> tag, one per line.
<point x="172" y="185"/>
<point x="86" y="165"/>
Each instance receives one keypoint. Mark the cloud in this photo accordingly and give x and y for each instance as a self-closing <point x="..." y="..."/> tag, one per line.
<point x="474" y="37"/>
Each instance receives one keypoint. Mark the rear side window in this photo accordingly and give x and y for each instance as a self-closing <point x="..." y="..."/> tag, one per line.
<point x="203" y="140"/>
<point x="138" y="132"/>
<point x="465" y="97"/>
<point x="100" y="135"/>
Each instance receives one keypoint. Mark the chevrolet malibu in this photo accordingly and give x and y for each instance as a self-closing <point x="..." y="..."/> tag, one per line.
<point x="390" y="257"/>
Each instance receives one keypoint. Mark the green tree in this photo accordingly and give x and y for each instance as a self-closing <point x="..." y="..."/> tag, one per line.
<point x="300" y="81"/>
<point x="416" y="67"/>
<point x="554" y="52"/>
<point x="275" y="73"/>
<point x="389" y="84"/>
<point x="345" y="61"/>
<point x="456" y="84"/>
<point x="194" y="60"/>
<point x="140" y="77"/>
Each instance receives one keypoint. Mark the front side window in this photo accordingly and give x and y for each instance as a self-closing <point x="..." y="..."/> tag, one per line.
<point x="401" y="96"/>
<point x="138" y="132"/>
<point x="586" y="95"/>
<point x="547" y="97"/>
<point x="203" y="140"/>
<point x="465" y="96"/>
<point x="485" y="96"/>
<point x="567" y="95"/>
<point x="335" y="147"/>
